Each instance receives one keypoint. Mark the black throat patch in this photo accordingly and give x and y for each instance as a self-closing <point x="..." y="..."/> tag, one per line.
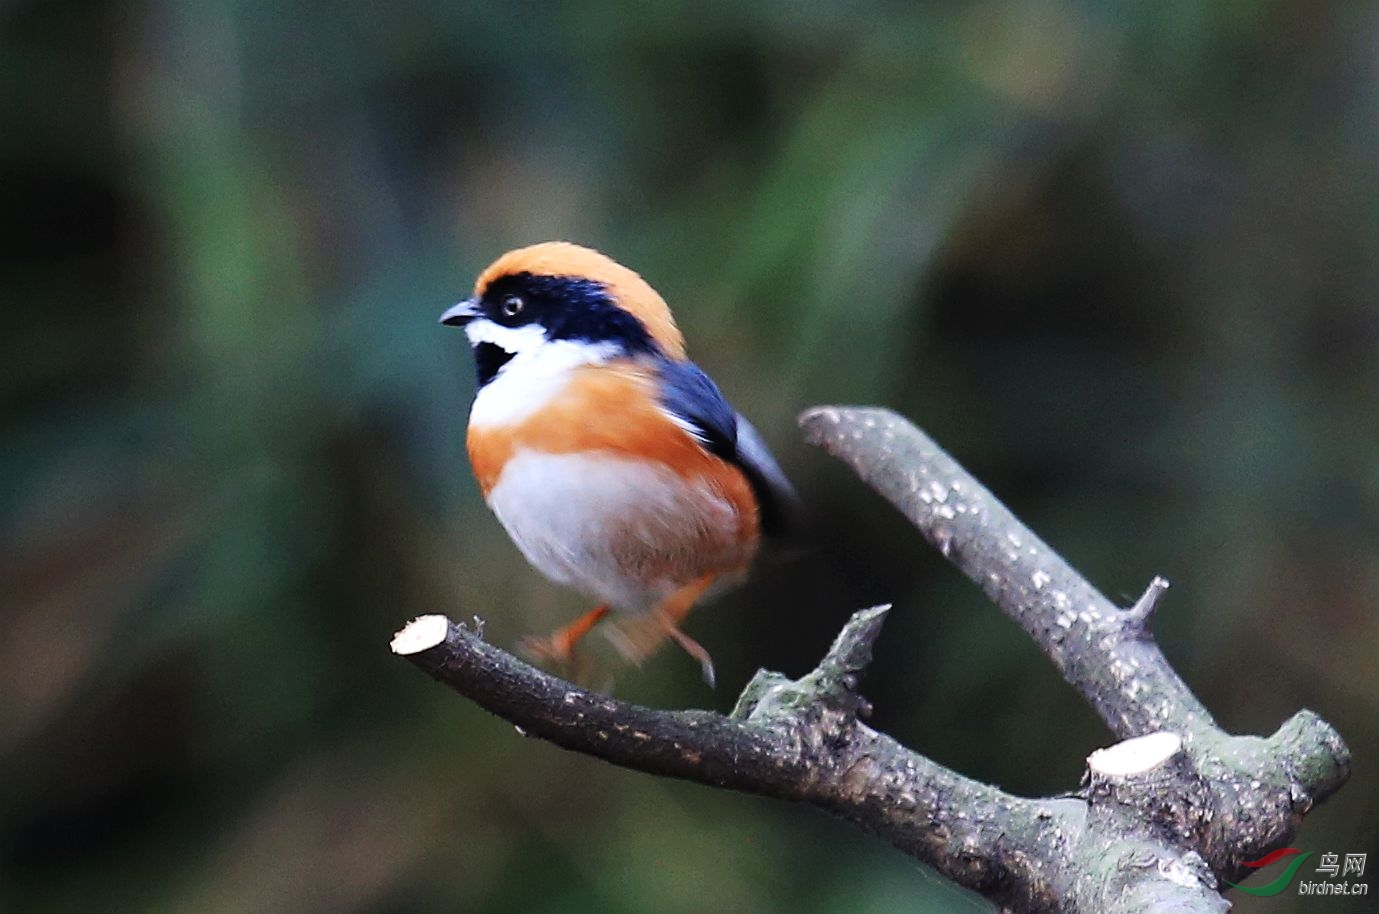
<point x="488" y="358"/>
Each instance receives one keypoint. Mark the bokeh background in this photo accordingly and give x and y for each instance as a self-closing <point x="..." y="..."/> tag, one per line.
<point x="1121" y="258"/>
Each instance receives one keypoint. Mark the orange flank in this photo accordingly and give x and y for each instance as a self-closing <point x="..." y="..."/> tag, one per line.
<point x="629" y="291"/>
<point x="640" y="432"/>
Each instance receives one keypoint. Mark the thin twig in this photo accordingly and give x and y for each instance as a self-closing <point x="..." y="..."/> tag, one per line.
<point x="1148" y="602"/>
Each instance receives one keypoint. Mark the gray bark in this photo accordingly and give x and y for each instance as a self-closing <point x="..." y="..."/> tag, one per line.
<point x="1161" y="839"/>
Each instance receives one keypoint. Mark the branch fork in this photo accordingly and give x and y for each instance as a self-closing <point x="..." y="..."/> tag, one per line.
<point x="1164" y="816"/>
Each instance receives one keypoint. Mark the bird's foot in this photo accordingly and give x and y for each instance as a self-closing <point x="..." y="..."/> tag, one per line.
<point x="558" y="648"/>
<point x="691" y="647"/>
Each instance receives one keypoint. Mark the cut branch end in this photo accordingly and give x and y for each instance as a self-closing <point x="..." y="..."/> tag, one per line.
<point x="421" y="634"/>
<point x="1135" y="756"/>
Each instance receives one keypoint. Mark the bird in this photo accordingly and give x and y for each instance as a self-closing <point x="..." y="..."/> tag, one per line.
<point x="613" y="462"/>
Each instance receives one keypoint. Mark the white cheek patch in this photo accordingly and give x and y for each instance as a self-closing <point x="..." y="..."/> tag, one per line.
<point x="513" y="339"/>
<point x="534" y="375"/>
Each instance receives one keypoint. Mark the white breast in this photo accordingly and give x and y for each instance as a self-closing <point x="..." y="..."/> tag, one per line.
<point x="589" y="521"/>
<point x="538" y="372"/>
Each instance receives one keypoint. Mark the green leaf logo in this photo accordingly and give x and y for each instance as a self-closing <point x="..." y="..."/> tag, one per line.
<point x="1279" y="884"/>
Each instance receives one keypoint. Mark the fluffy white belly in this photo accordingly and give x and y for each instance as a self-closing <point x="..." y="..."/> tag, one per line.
<point x="623" y="532"/>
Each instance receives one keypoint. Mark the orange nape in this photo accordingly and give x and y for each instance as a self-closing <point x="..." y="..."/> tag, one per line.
<point x="559" y="646"/>
<point x="638" y="637"/>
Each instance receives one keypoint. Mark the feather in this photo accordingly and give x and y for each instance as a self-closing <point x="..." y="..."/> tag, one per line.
<point x="781" y="511"/>
<point x="692" y="400"/>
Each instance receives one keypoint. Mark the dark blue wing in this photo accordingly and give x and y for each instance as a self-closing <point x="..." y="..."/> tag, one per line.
<point x="695" y="402"/>
<point x="781" y="512"/>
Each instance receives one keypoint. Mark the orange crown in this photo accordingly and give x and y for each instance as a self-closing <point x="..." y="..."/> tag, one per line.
<point x="628" y="290"/>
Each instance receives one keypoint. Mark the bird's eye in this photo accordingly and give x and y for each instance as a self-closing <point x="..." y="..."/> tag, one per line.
<point x="513" y="305"/>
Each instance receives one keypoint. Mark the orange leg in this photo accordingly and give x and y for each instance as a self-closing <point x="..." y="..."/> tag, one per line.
<point x="559" y="646"/>
<point x="674" y="610"/>
<point x="637" y="637"/>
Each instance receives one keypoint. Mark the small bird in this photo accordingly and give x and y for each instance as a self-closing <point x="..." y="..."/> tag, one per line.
<point x="613" y="462"/>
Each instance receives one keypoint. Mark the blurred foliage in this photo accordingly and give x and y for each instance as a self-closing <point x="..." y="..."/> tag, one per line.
<point x="1121" y="258"/>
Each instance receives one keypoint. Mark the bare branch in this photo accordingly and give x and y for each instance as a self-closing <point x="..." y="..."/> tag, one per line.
<point x="1113" y="663"/>
<point x="801" y="740"/>
<point x="1260" y="789"/>
<point x="791" y="739"/>
<point x="1166" y="815"/>
<point x="694" y="745"/>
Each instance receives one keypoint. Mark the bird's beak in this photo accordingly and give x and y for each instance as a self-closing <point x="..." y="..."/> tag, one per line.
<point x="461" y="313"/>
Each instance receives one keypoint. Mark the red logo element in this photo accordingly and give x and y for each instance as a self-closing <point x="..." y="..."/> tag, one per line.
<point x="1273" y="856"/>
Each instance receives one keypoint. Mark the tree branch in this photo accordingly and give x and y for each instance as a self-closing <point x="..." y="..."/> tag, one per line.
<point x="1261" y="789"/>
<point x="795" y="740"/>
<point x="1165" y="815"/>
<point x="1106" y="653"/>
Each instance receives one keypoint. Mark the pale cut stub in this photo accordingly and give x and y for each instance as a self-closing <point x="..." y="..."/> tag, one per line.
<point x="1136" y="755"/>
<point x="422" y="633"/>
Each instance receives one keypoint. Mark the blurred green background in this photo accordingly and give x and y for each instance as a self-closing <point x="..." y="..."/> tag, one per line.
<point x="1121" y="258"/>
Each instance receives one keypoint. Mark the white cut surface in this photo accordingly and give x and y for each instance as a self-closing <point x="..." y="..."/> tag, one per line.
<point x="1136" y="755"/>
<point x="420" y="634"/>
